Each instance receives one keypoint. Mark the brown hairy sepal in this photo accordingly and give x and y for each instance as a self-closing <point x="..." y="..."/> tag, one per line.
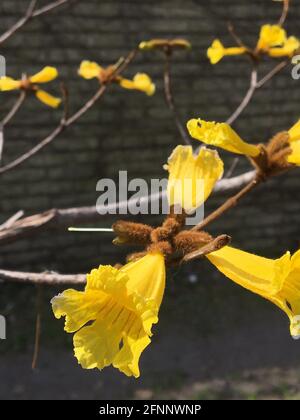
<point x="188" y="241"/>
<point x="131" y="233"/>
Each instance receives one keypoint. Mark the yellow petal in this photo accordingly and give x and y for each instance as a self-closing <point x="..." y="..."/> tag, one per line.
<point x="7" y="83"/>
<point x="294" y="156"/>
<point x="89" y="70"/>
<point x="77" y="307"/>
<point x="217" y="51"/>
<point x="291" y="45"/>
<point x="192" y="178"/>
<point x="271" y="36"/>
<point x="294" y="132"/>
<point x="123" y="305"/>
<point x="48" y="99"/>
<point x="47" y="74"/>
<point x="220" y="135"/>
<point x="288" y="298"/>
<point x="263" y="276"/>
<point x="141" y="81"/>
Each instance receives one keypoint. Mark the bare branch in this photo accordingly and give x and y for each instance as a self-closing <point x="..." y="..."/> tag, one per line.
<point x="15" y="108"/>
<point x="30" y="13"/>
<point x="12" y="220"/>
<point x="170" y="99"/>
<point x="62" y="218"/>
<point x="247" y="98"/>
<point x="48" y="278"/>
<point x="285" y="11"/>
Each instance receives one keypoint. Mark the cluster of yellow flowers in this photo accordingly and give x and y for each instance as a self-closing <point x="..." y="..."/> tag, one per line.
<point x="112" y="318"/>
<point x="273" y="41"/>
<point x="87" y="70"/>
<point x="124" y="303"/>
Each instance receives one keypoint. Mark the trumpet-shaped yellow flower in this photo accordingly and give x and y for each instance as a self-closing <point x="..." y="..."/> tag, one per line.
<point x="288" y="49"/>
<point x="271" y="36"/>
<point x="47" y="74"/>
<point x="119" y="307"/>
<point x="275" y="280"/>
<point x="192" y="177"/>
<point x="217" y="51"/>
<point x="141" y="81"/>
<point x="89" y="70"/>
<point x="220" y="135"/>
<point x="294" y="140"/>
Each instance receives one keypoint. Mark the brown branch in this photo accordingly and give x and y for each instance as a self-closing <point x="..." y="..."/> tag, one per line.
<point x="254" y="85"/>
<point x="280" y="66"/>
<point x="285" y="11"/>
<point x="246" y="99"/>
<point x="228" y="204"/>
<point x="42" y="278"/>
<point x="67" y="122"/>
<point x="170" y="98"/>
<point x="38" y="324"/>
<point x="30" y="13"/>
<point x="14" y="109"/>
<point x="62" y="218"/>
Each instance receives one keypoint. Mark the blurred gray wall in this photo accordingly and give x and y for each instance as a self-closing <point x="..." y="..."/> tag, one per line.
<point x="128" y="130"/>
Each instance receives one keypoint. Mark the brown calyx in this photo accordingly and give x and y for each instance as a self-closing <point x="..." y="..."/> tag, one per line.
<point x="272" y="159"/>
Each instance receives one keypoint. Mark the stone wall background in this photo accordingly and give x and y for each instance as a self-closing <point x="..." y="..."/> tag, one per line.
<point x="128" y="130"/>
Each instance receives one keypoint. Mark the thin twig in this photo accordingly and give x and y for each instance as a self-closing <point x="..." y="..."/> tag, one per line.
<point x="20" y="23"/>
<point x="254" y="85"/>
<point x="285" y="11"/>
<point x="170" y="99"/>
<point x="280" y="66"/>
<point x="237" y="39"/>
<point x="247" y="98"/>
<point x="15" y="108"/>
<point x="30" y="13"/>
<point x="37" y="327"/>
<point x="12" y="220"/>
<point x="42" y="278"/>
<point x="228" y="204"/>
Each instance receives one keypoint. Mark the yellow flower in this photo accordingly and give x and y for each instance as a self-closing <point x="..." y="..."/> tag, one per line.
<point x="141" y="81"/>
<point x="220" y="135"/>
<point x="192" y="177"/>
<point x="119" y="307"/>
<point x="161" y="44"/>
<point x="89" y="70"/>
<point x="288" y="49"/>
<point x="275" y="280"/>
<point x="47" y="74"/>
<point x="294" y="140"/>
<point x="217" y="51"/>
<point x="271" y="36"/>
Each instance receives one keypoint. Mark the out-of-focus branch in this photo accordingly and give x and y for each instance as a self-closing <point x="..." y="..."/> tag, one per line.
<point x="30" y="13"/>
<point x="254" y="85"/>
<point x="66" y="121"/>
<point x="47" y="278"/>
<point x="170" y="99"/>
<point x="62" y="218"/>
<point x="285" y="11"/>
<point x="247" y="98"/>
<point x="11" y="113"/>
<point x="14" y="109"/>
